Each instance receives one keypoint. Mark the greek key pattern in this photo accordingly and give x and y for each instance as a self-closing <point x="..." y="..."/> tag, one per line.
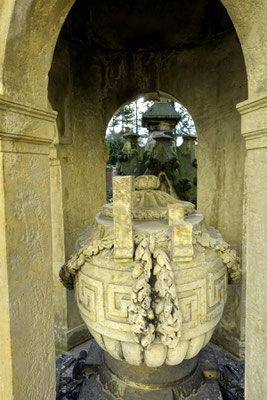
<point x="200" y="301"/>
<point x="217" y="289"/>
<point x="119" y="299"/>
<point x="90" y="296"/>
<point x="192" y="300"/>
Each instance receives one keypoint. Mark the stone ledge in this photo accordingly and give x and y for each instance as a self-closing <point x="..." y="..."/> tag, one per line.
<point x="254" y="122"/>
<point x="27" y="110"/>
<point x="248" y="106"/>
<point x="256" y="139"/>
<point x="10" y="137"/>
<point x="24" y="123"/>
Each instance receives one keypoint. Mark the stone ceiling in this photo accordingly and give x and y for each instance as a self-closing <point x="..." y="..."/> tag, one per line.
<point x="145" y="24"/>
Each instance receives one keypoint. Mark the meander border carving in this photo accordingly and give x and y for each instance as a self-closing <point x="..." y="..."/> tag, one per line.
<point x="154" y="310"/>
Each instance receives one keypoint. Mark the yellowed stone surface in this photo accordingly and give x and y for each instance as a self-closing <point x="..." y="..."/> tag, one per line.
<point x="82" y="156"/>
<point x="25" y="60"/>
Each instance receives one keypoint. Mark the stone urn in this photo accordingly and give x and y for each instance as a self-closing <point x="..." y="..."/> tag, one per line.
<point x="150" y="276"/>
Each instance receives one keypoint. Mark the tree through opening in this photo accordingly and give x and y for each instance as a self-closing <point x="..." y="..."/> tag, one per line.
<point x="147" y="137"/>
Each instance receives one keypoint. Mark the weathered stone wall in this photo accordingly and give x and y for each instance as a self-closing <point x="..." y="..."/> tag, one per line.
<point x="82" y="156"/>
<point x="87" y="86"/>
<point x="81" y="148"/>
<point x="26" y="327"/>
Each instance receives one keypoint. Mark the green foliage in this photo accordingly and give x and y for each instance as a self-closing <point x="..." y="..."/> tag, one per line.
<point x="124" y="118"/>
<point x="129" y="117"/>
<point x="115" y="144"/>
<point x="186" y="126"/>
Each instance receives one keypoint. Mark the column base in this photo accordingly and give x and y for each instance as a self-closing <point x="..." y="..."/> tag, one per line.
<point x="67" y="339"/>
<point x="229" y="343"/>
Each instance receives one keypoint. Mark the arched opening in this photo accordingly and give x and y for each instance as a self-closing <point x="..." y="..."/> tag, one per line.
<point x="133" y="139"/>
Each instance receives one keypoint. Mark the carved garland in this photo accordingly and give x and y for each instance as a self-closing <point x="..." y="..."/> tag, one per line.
<point x="227" y="255"/>
<point x="154" y="310"/>
<point x="84" y="254"/>
<point x="141" y="315"/>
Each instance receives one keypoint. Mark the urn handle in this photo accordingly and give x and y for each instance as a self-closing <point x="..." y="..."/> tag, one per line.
<point x="182" y="234"/>
<point x="123" y="218"/>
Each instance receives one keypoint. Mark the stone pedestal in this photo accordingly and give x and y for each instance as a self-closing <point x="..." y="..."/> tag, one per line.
<point x="129" y="382"/>
<point x="119" y="380"/>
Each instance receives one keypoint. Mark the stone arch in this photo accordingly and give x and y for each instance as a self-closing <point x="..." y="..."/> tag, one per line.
<point x="249" y="20"/>
<point x="25" y="57"/>
<point x="185" y="154"/>
<point x="29" y="30"/>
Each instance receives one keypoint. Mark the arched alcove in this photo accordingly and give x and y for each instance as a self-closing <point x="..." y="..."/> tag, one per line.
<point x="91" y="79"/>
<point x="207" y="76"/>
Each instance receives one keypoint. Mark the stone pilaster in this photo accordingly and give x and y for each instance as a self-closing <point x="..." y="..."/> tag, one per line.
<point x="58" y="248"/>
<point x="254" y="129"/>
<point x="26" y="280"/>
<point x="69" y="331"/>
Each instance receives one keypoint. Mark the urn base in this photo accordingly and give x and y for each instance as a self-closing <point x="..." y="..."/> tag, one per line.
<point x="121" y="381"/>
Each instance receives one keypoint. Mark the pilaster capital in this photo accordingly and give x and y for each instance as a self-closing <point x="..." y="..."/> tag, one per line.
<point x="10" y="105"/>
<point x="254" y="122"/>
<point x="24" y="123"/>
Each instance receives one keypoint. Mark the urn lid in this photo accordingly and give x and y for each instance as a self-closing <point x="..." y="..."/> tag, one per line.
<point x="131" y="134"/>
<point x="149" y="202"/>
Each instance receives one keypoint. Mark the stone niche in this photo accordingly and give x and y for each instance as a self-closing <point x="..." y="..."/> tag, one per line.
<point x="97" y="70"/>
